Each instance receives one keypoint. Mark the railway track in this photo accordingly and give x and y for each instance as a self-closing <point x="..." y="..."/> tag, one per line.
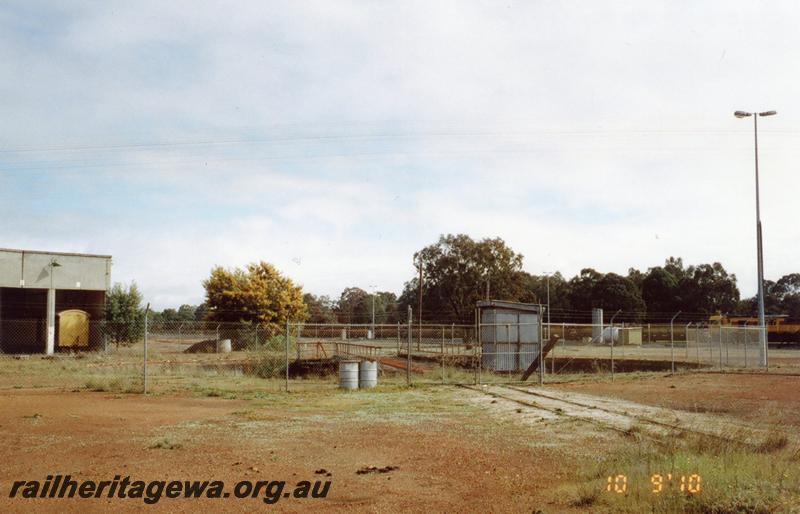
<point x="618" y="420"/>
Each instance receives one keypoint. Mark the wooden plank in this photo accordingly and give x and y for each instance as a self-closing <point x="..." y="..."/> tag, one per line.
<point x="535" y="364"/>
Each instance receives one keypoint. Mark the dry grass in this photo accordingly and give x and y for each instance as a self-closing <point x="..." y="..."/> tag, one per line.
<point x="734" y="476"/>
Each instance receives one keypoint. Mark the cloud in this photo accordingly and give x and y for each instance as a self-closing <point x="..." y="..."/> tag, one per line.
<point x="334" y="140"/>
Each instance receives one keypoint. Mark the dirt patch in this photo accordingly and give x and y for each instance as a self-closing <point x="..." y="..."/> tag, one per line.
<point x="444" y="450"/>
<point x="757" y="398"/>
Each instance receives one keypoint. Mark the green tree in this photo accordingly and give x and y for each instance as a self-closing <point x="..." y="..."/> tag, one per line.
<point x="535" y="291"/>
<point x="592" y="289"/>
<point x="781" y="297"/>
<point x="124" y="316"/>
<point x="660" y="291"/>
<point x="614" y="292"/>
<point x="320" y="309"/>
<point x="386" y="308"/>
<point x="637" y="277"/>
<point x="582" y="290"/>
<point x="708" y="288"/>
<point x="257" y="294"/>
<point x="674" y="266"/>
<point x="185" y="313"/>
<point x="354" y="306"/>
<point x="789" y="287"/>
<point x="456" y="271"/>
<point x="200" y="312"/>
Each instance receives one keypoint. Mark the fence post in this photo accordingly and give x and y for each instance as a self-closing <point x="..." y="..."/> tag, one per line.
<point x="697" y="343"/>
<point x="541" y="346"/>
<point x="611" y="334"/>
<point x="408" y="350"/>
<point x="720" y="345"/>
<point x="686" y="337"/>
<point x="286" y="346"/>
<point x="478" y="347"/>
<point x="146" y="312"/>
<point x="728" y="348"/>
<point x="398" y="339"/>
<point x="746" y="337"/>
<point x="442" y="355"/>
<point x="508" y="340"/>
<point x="710" y="347"/>
<point x="553" y="353"/>
<point x="672" y="340"/>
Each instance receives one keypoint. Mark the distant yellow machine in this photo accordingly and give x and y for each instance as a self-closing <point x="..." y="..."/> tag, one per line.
<point x="778" y="330"/>
<point x="73" y="329"/>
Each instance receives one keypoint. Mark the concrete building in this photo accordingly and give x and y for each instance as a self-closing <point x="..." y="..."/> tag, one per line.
<point x="48" y="300"/>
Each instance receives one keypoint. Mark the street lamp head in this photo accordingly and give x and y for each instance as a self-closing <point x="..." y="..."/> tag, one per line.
<point x="742" y="114"/>
<point x="768" y="113"/>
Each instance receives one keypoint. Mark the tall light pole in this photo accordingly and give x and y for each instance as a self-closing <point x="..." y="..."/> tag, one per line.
<point x="762" y="336"/>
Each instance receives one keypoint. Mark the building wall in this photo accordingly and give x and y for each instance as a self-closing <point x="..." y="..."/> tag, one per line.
<point x="79" y="281"/>
<point x="509" y="338"/>
<point x="23" y="268"/>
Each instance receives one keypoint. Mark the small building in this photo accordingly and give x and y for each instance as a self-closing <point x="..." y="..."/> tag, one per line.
<point x="51" y="300"/>
<point x="510" y="334"/>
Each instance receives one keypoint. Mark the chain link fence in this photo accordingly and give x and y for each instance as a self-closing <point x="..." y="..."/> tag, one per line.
<point x="226" y="358"/>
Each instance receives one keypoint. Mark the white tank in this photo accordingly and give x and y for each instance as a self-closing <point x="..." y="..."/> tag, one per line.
<point x="368" y="374"/>
<point x="348" y="374"/>
<point x="224" y="346"/>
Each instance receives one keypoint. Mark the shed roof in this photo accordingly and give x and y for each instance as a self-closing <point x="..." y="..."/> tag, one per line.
<point x="514" y="306"/>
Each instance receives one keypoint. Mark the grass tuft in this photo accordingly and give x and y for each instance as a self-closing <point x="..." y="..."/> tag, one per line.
<point x="165" y="444"/>
<point x="773" y="443"/>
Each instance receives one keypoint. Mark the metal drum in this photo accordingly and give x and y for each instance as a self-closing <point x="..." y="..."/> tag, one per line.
<point x="348" y="374"/>
<point x="368" y="374"/>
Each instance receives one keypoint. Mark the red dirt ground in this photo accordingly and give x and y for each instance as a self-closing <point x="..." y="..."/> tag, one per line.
<point x="752" y="397"/>
<point x="95" y="435"/>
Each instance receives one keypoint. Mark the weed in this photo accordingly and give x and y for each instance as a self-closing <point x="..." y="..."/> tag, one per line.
<point x="165" y="444"/>
<point x="773" y="443"/>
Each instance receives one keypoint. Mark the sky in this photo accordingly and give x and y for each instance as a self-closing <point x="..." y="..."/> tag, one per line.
<point x="335" y="138"/>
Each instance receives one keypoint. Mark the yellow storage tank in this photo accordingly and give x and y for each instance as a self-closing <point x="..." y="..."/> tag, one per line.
<point x="73" y="329"/>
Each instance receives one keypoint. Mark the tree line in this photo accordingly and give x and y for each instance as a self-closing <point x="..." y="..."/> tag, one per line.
<point x="457" y="271"/>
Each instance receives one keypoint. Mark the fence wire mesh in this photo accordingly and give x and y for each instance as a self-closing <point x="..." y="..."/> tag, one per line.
<point x="218" y="358"/>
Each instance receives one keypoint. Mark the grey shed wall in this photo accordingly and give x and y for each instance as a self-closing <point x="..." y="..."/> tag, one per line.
<point x="510" y="335"/>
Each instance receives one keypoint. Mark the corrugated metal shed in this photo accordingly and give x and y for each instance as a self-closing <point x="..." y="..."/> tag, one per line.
<point x="510" y="334"/>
